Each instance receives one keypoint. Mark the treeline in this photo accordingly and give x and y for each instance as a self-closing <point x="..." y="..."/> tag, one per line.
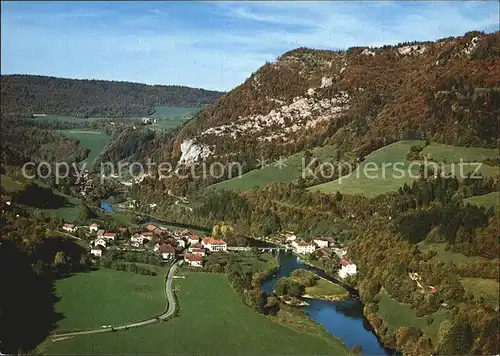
<point x="386" y="270"/>
<point x="246" y="284"/>
<point x="126" y="267"/>
<point x="24" y="95"/>
<point x="131" y="257"/>
<point x="22" y="141"/>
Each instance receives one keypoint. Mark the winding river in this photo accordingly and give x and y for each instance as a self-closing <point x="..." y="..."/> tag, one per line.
<point x="342" y="319"/>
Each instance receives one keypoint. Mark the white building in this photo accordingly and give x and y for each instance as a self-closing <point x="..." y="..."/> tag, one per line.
<point x="193" y="239"/>
<point x="196" y="251"/>
<point x="214" y="245"/>
<point x="303" y="247"/>
<point x="181" y="243"/>
<point x="324" y="241"/>
<point x="93" y="228"/>
<point x="100" y="242"/>
<point x="194" y="260"/>
<point x="109" y="235"/>
<point x="347" y="268"/>
<point x="167" y="251"/>
<point x="137" y="239"/>
<point x="290" y="237"/>
<point x="69" y="227"/>
<point x="96" y="251"/>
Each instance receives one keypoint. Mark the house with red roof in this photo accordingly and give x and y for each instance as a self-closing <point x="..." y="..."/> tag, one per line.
<point x="194" y="260"/>
<point x="94" y="227"/>
<point x="347" y="268"/>
<point x="109" y="235"/>
<point x="69" y="227"/>
<point x="197" y="251"/>
<point x="193" y="239"/>
<point x="151" y="227"/>
<point x="167" y="251"/>
<point x="213" y="244"/>
<point x="147" y="235"/>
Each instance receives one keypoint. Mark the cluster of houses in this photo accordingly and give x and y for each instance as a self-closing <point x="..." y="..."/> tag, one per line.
<point x="169" y="244"/>
<point x="326" y="244"/>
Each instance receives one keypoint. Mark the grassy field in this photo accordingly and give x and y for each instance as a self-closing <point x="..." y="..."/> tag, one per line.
<point x="249" y="262"/>
<point x="448" y="154"/>
<point x="9" y="184"/>
<point x="486" y="200"/>
<point x="397" y="314"/>
<point x="171" y="117"/>
<point x="273" y="174"/>
<point x="443" y="255"/>
<point x="212" y="321"/>
<point x="482" y="287"/>
<point x="325" y="289"/>
<point x="95" y="141"/>
<point x="371" y="178"/>
<point x="108" y="297"/>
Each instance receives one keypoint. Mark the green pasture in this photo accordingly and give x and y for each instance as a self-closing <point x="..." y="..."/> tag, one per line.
<point x="273" y="173"/>
<point x="212" y="321"/>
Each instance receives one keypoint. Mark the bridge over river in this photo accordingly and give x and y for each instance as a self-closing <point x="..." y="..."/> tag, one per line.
<point x="262" y="249"/>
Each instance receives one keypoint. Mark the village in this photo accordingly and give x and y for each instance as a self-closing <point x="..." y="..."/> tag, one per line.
<point x="192" y="248"/>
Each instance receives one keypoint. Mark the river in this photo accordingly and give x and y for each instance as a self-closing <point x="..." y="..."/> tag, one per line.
<point x="342" y="319"/>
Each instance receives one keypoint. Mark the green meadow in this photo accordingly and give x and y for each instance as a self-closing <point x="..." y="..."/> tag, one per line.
<point x="212" y="321"/>
<point x="108" y="297"/>
<point x="487" y="200"/>
<point x="95" y="141"/>
<point x="452" y="154"/>
<point x="376" y="174"/>
<point x="272" y="173"/>
<point x="9" y="184"/>
<point x="485" y="288"/>
<point x="443" y="254"/>
<point x="170" y="117"/>
<point x="397" y="315"/>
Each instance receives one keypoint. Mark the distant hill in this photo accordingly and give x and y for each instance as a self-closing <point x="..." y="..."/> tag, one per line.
<point x="24" y="95"/>
<point x="447" y="91"/>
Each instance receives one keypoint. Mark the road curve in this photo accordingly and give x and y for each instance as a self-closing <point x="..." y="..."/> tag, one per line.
<point x="170" y="306"/>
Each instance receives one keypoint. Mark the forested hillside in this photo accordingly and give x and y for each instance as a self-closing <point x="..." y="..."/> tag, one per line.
<point x="447" y="91"/>
<point x="24" y="95"/>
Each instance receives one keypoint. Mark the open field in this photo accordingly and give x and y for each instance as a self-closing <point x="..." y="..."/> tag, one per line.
<point x="108" y="297"/>
<point x="213" y="321"/>
<point x="370" y="181"/>
<point x="68" y="207"/>
<point x="249" y="262"/>
<point x="171" y="117"/>
<point x="95" y="141"/>
<point x="165" y="111"/>
<point x="482" y="287"/>
<point x="325" y="289"/>
<point x="446" y="153"/>
<point x="397" y="314"/>
<point x="273" y="174"/>
<point x="69" y="210"/>
<point x="487" y="200"/>
<point x="9" y="184"/>
<point x="443" y="255"/>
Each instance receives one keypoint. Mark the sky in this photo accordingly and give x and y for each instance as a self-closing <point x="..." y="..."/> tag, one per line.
<point x="212" y="45"/>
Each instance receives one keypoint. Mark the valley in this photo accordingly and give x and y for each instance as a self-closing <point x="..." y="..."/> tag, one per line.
<point x="365" y="220"/>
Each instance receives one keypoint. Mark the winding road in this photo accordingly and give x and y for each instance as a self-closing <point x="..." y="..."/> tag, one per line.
<point x="170" y="309"/>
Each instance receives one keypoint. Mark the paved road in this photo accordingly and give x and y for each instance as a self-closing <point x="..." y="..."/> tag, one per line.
<point x="170" y="306"/>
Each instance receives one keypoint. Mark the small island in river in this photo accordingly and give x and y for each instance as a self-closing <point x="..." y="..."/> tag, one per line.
<point x="307" y="284"/>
